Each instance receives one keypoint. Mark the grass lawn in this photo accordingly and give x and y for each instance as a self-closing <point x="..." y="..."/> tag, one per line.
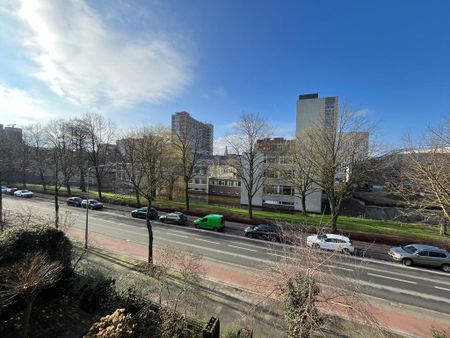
<point x="393" y="228"/>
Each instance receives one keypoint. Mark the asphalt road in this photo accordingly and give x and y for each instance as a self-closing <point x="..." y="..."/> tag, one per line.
<point x="419" y="287"/>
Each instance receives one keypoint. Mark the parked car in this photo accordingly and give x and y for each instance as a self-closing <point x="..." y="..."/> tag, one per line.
<point x="331" y="242"/>
<point x="420" y="254"/>
<point x="269" y="232"/>
<point x="4" y="189"/>
<point x="93" y="204"/>
<point x="174" y="217"/>
<point x="213" y="221"/>
<point x="23" y="193"/>
<point x="142" y="213"/>
<point x="11" y="191"/>
<point x="74" y="201"/>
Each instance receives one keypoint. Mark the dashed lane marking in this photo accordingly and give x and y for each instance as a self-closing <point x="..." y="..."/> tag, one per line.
<point x="392" y="278"/>
<point x="240" y="247"/>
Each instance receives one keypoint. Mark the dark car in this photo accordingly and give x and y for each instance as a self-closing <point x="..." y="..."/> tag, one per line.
<point x="142" y="213"/>
<point x="74" y="201"/>
<point x="93" y="204"/>
<point x="420" y="254"/>
<point x="268" y="232"/>
<point x="174" y="217"/>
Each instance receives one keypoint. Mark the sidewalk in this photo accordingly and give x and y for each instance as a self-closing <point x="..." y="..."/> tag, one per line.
<point x="403" y="319"/>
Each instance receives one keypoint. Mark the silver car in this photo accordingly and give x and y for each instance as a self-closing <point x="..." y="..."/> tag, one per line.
<point x="420" y="254"/>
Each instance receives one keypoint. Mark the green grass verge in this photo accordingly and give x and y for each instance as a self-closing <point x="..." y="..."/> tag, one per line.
<point x="392" y="228"/>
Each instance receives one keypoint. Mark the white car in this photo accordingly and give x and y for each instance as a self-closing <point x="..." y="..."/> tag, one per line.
<point x="4" y="189"/>
<point x="23" y="193"/>
<point x="331" y="242"/>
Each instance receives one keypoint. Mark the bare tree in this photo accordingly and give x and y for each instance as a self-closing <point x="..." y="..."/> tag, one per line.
<point x="62" y="155"/>
<point x="145" y="154"/>
<point x="425" y="176"/>
<point x="79" y="135"/>
<point x="36" y="140"/>
<point x="298" y="170"/>
<point x="339" y="157"/>
<point x="305" y="286"/>
<point x="187" y="144"/>
<point x="249" y="160"/>
<point x="100" y="134"/>
<point x="27" y="279"/>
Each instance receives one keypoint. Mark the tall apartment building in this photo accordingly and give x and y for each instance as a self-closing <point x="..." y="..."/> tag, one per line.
<point x="183" y="123"/>
<point x="313" y="110"/>
<point x="12" y="134"/>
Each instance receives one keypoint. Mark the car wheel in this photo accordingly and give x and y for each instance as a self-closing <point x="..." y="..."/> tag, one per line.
<point x="445" y="267"/>
<point x="407" y="262"/>
<point x="316" y="246"/>
<point x="133" y="215"/>
<point x="345" y="251"/>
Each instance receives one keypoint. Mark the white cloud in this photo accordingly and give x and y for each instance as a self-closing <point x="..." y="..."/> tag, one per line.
<point x="19" y="107"/>
<point x="81" y="58"/>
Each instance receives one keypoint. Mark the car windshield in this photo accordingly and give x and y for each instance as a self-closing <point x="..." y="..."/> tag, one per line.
<point x="322" y="237"/>
<point x="409" y="249"/>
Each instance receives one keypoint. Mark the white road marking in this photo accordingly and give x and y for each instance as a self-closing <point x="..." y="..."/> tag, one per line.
<point x="440" y="288"/>
<point x="406" y="292"/>
<point x="240" y="247"/>
<point x="392" y="278"/>
<point x="277" y="255"/>
<point x="337" y="267"/>
<point x="205" y="240"/>
<point x="173" y="234"/>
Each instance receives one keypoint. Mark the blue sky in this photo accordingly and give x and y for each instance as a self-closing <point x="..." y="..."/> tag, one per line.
<point x="137" y="62"/>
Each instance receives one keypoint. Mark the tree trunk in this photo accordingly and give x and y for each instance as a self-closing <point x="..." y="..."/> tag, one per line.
<point x="304" y="204"/>
<point x="186" y="192"/>
<point x="250" y="205"/>
<point x="69" y="192"/>
<point x="170" y="188"/>
<point x="138" y="198"/>
<point x="56" y="198"/>
<point x="82" y="182"/>
<point x="443" y="230"/>
<point x="56" y="207"/>
<point x="41" y="175"/>
<point x="99" y="186"/>
<point x="26" y="318"/>
<point x="24" y="177"/>
<point x="150" y="232"/>
<point x="334" y="217"/>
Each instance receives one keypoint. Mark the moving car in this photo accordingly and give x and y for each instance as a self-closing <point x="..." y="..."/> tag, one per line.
<point x="174" y="217"/>
<point x="11" y="191"/>
<point x="331" y="242"/>
<point x="74" y="201"/>
<point x="213" y="221"/>
<point x="269" y="232"/>
<point x="23" y="193"/>
<point x="142" y="213"/>
<point x="93" y="204"/>
<point x="420" y="254"/>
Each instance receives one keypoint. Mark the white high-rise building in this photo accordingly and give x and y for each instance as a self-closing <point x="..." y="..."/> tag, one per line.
<point x="312" y="110"/>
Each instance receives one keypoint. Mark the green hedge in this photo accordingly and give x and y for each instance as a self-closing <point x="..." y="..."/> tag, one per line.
<point x="17" y="242"/>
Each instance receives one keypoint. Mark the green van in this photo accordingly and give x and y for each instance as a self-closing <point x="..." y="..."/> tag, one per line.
<point x="213" y="221"/>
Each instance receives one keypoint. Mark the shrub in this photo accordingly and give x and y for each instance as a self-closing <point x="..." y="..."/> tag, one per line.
<point x="92" y="292"/>
<point x="116" y="325"/>
<point x="17" y="242"/>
